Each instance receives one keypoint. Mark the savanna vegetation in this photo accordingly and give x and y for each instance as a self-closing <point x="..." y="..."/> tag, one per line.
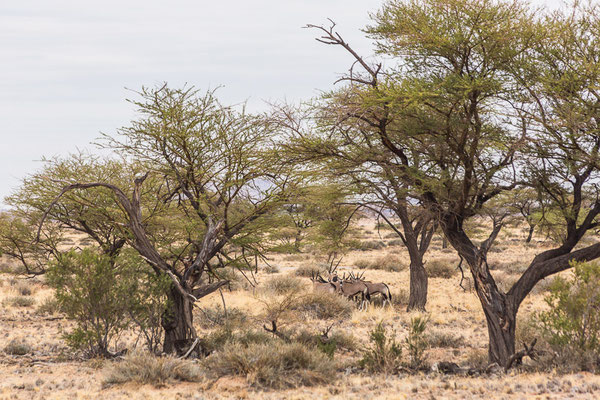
<point x="217" y="250"/>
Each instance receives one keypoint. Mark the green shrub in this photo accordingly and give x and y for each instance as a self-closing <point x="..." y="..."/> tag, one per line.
<point x="441" y="268"/>
<point x="96" y="292"/>
<point x="384" y="354"/>
<point x="146" y="368"/>
<point x="572" y="324"/>
<point x="416" y="342"/>
<point x="17" y="347"/>
<point x="324" y="306"/>
<point x="276" y="365"/>
<point x="48" y="306"/>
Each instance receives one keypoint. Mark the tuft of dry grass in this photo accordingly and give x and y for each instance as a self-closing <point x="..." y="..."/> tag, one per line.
<point x="19" y="301"/>
<point x="388" y="263"/>
<point x="146" y="368"/>
<point x="284" y="284"/>
<point x="308" y="271"/>
<point x="17" y="347"/>
<point x="276" y="365"/>
<point x="324" y="306"/>
<point x="441" y="268"/>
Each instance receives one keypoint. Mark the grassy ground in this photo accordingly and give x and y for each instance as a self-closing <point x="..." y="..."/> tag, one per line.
<point x="456" y="331"/>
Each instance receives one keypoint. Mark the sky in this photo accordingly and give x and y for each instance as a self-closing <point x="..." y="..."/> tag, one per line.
<point x="69" y="66"/>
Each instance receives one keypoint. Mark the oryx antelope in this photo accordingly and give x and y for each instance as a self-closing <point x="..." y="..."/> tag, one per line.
<point x="321" y="285"/>
<point x="351" y="289"/>
<point x="374" y="288"/>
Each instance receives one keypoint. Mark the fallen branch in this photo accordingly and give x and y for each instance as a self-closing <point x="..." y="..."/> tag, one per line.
<point x="275" y="332"/>
<point x="517" y="358"/>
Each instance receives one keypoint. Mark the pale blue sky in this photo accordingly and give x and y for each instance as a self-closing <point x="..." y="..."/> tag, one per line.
<point x="66" y="63"/>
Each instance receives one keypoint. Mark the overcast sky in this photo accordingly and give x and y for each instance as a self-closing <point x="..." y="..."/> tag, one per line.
<point x="66" y="64"/>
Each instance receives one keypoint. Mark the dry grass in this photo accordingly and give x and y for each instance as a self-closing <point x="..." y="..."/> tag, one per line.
<point x="17" y="347"/>
<point x="146" y="368"/>
<point x="387" y="263"/>
<point x="324" y="306"/>
<point x="275" y="365"/>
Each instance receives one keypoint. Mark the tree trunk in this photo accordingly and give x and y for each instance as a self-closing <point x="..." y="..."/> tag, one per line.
<point x="530" y="236"/>
<point x="177" y="323"/>
<point x="500" y="313"/>
<point x="444" y="242"/>
<point x="418" y="286"/>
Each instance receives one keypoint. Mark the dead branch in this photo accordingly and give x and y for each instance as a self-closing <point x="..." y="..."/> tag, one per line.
<point x="517" y="358"/>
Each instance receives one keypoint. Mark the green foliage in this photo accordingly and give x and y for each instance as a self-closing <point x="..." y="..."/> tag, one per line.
<point x="100" y="294"/>
<point x="384" y="354"/>
<point x="572" y="324"/>
<point x="416" y="341"/>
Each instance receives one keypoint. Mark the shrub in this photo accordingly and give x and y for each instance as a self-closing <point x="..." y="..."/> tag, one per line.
<point x="24" y="289"/>
<point x="96" y="292"/>
<point x="336" y="340"/>
<point x="309" y="270"/>
<point x="17" y="347"/>
<point x="440" y="339"/>
<point x="216" y="316"/>
<point x="395" y="242"/>
<point x="146" y="368"/>
<point x="572" y="324"/>
<point x="324" y="306"/>
<point x="441" y="268"/>
<point x="384" y="354"/>
<point x="276" y="365"/>
<point x="19" y="301"/>
<point x="416" y="342"/>
<point x="368" y="245"/>
<point x="387" y="263"/>
<point x="284" y="284"/>
<point x="271" y="269"/>
<point x="48" y="306"/>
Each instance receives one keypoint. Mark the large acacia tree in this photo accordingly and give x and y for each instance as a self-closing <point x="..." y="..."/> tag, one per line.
<point x="209" y="177"/>
<point x="486" y="98"/>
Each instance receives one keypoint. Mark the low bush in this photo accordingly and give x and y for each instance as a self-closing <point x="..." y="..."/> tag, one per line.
<point x="441" y="268"/>
<point x="17" y="347"/>
<point x="19" y="301"/>
<point x="284" y="284"/>
<point x="310" y="270"/>
<point x="572" y="324"/>
<point x="146" y="368"/>
<point x="441" y="339"/>
<point x="324" y="306"/>
<point x="369" y="245"/>
<point x="338" y="339"/>
<point x="216" y="316"/>
<point x="271" y="269"/>
<point x="48" y="306"/>
<point x="416" y="342"/>
<point x="24" y="289"/>
<point x="276" y="365"/>
<point x="384" y="355"/>
<point x="219" y="338"/>
<point x="387" y="263"/>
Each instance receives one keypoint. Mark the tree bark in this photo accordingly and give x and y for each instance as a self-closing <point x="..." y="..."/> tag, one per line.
<point x="418" y="286"/>
<point x="177" y="323"/>
<point x="530" y="235"/>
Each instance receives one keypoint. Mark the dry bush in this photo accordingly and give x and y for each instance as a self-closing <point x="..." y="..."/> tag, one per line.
<point x="17" y="347"/>
<point x="5" y="268"/>
<point x="442" y="339"/>
<point x="216" y="316"/>
<point x="146" y="368"/>
<point x="324" y="306"/>
<point x="478" y="359"/>
<point x="441" y="268"/>
<point x="284" y="284"/>
<point x="296" y="257"/>
<point x="271" y="269"/>
<point x="276" y="365"/>
<point x="387" y="263"/>
<point x="48" y="306"/>
<point x="24" y="289"/>
<point x="340" y="339"/>
<point x="308" y="271"/>
<point x="217" y="339"/>
<point x="19" y="301"/>
<point x="369" y="245"/>
<point x="395" y="242"/>
<point x="400" y="298"/>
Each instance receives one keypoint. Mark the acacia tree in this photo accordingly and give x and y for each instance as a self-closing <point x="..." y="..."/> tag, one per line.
<point x="216" y="177"/>
<point x="486" y="86"/>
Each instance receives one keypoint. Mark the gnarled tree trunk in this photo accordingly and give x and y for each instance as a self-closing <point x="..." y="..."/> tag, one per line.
<point x="418" y="286"/>
<point x="177" y="323"/>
